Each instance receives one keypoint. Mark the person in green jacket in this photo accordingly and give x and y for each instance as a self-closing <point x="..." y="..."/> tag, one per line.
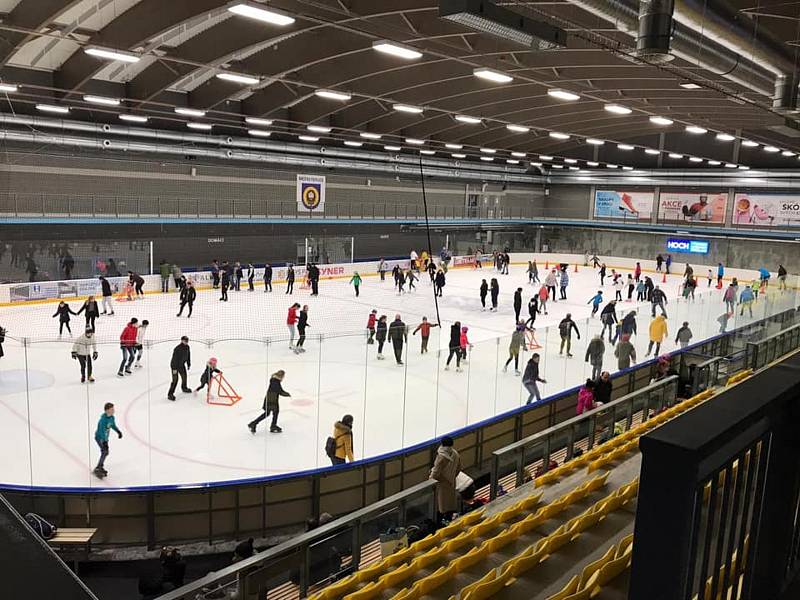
<point x="356" y="281"/>
<point x="165" y="270"/>
<point x="104" y="425"/>
<point x="517" y="342"/>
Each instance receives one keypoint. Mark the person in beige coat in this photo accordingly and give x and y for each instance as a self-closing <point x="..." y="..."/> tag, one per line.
<point x="445" y="469"/>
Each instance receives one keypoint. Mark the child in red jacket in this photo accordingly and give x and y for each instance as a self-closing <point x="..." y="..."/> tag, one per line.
<point x="291" y="323"/>
<point x="127" y="343"/>
<point x="464" y="342"/>
<point x="373" y="316"/>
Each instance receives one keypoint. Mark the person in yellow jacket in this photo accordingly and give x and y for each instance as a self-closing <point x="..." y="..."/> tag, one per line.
<point x="343" y="436"/>
<point x="658" y="331"/>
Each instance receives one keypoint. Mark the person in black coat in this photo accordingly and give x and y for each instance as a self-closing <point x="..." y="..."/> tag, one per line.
<point x="484" y="290"/>
<point x="517" y="304"/>
<point x="602" y="273"/>
<point x="225" y="284"/>
<point x="188" y="295"/>
<point x="494" y="289"/>
<point x="289" y="279"/>
<point x="380" y="335"/>
<point x="440" y="282"/>
<point x="271" y="405"/>
<point x="302" y="323"/>
<point x="137" y="281"/>
<point x="105" y="286"/>
<point x="397" y="335"/>
<point x="181" y="360"/>
<point x="454" y="347"/>
<point x="533" y="310"/>
<point x="313" y="279"/>
<point x="608" y="316"/>
<point x="603" y="388"/>
<point x="432" y="271"/>
<point x="267" y="278"/>
<point x="63" y="312"/>
<point x="92" y="311"/>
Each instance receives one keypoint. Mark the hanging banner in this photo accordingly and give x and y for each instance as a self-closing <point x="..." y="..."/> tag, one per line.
<point x="766" y="210"/>
<point x="701" y="207"/>
<point x="311" y="193"/>
<point x="623" y="205"/>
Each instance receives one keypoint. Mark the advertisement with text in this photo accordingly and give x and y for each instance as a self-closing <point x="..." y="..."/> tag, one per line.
<point x="766" y="210"/>
<point x="623" y="205"/>
<point x="699" y="207"/>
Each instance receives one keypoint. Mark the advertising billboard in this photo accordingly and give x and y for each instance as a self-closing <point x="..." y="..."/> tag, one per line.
<point x="765" y="210"/>
<point x="699" y="207"/>
<point x="687" y="246"/>
<point x="623" y="205"/>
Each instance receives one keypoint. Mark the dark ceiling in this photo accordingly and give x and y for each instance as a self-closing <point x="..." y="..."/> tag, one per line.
<point x="185" y="43"/>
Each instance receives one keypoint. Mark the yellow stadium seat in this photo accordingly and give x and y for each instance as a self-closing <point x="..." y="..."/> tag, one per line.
<point x="531" y="501"/>
<point x="557" y="540"/>
<point x="490" y="588"/>
<point x="340" y="588"/>
<point x="429" y="541"/>
<point x="371" y="572"/>
<point x="609" y="571"/>
<point x="567" y="590"/>
<point x="425" y="586"/>
<point x="392" y="578"/>
<point x="460" y="540"/>
<point x="532" y="556"/>
<point x="427" y="559"/>
<point x="592" y="567"/>
<point x="510" y="512"/>
<point x="470" y="518"/>
<point x="449" y="531"/>
<point x="625" y="545"/>
<point x="406" y="594"/>
<point x="475" y="555"/>
<point x="597" y="482"/>
<point x="483" y="528"/>
<point x="549" y="510"/>
<point x="366" y="593"/>
<point x="587" y="520"/>
<point x="584" y="594"/>
<point x="467" y="591"/>
<point x="502" y="540"/>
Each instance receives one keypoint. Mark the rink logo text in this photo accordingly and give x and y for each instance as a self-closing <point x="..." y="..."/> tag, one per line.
<point x="689" y="246"/>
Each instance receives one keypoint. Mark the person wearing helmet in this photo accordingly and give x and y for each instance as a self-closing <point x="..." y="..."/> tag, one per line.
<point x="208" y="373"/>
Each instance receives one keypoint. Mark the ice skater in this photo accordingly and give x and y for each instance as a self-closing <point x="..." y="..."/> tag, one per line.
<point x="637" y="272"/>
<point x="140" y="333"/>
<point x="137" y="281"/>
<point x="533" y="272"/>
<point x="658" y="299"/>
<point x="595" y="301"/>
<point x="380" y="335"/>
<point x="397" y="336"/>
<point x="619" y="285"/>
<point x="563" y="283"/>
<point x="432" y="271"/>
<point x="267" y="278"/>
<point x="454" y="346"/>
<point x="382" y="269"/>
<point x="313" y="278"/>
<point x="602" y="274"/>
<point x="251" y="275"/>
<point x="355" y="280"/>
<point x="608" y="317"/>
<point x="187" y="298"/>
<point x="440" y="282"/>
<point x="371" y="320"/>
<point x="215" y="274"/>
<point x="550" y="281"/>
<point x="91" y="311"/>
<point x="84" y="350"/>
<point x="517" y="304"/>
<point x="302" y="323"/>
<point x="531" y="378"/>
<point x="105" y="287"/>
<point x="565" y="329"/>
<point x="641" y="291"/>
<point x="746" y="300"/>
<point x="424" y="329"/>
<point x="484" y="289"/>
<point x="684" y="335"/>
<point x="63" y="312"/>
<point x="533" y="310"/>
<point x="399" y="280"/>
<point x="594" y="355"/>
<point x="494" y="290"/>
<point x="225" y="283"/>
<point x="464" y="343"/>
<point x="180" y="362"/>
<point x="544" y="294"/>
<point x="209" y="372"/>
<point x="291" y="323"/>
<point x="658" y="332"/>
<point x="127" y="343"/>
<point x="104" y="425"/>
<point x="238" y="275"/>
<point x="289" y="279"/>
<point x="782" y="273"/>
<point x="410" y="279"/>
<point x="271" y="404"/>
<point x="342" y="441"/>
<point x="517" y="343"/>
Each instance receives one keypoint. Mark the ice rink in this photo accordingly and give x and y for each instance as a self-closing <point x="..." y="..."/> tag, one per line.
<point x="49" y="417"/>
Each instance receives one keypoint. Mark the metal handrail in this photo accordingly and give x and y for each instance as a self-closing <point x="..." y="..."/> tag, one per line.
<point x="566" y="434"/>
<point x="253" y="573"/>
<point x="771" y="347"/>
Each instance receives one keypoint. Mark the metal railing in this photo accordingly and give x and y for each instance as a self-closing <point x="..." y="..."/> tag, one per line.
<point x="306" y="558"/>
<point x="564" y="437"/>
<point x="763" y="352"/>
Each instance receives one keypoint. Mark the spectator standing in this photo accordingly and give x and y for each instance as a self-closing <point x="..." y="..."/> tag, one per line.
<point x="446" y="468"/>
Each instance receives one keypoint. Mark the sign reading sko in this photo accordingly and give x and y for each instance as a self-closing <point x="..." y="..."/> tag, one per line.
<point x="687" y="246"/>
<point x="311" y="193"/>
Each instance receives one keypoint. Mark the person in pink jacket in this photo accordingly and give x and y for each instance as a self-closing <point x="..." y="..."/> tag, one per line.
<point x="544" y="294"/>
<point x="464" y="343"/>
<point x="586" y="397"/>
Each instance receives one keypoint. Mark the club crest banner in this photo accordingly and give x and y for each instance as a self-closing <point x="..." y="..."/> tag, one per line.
<point x="311" y="193"/>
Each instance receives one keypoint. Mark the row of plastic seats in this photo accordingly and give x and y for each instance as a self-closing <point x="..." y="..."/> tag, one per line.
<point x="737" y="377"/>
<point x="369" y="574"/>
<point x="599" y="573"/>
<point x="427" y="584"/>
<point x="737" y="570"/>
<point x="505" y="575"/>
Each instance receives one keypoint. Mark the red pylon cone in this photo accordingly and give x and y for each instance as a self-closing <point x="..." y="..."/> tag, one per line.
<point x="576" y="267"/>
<point x="664" y="278"/>
<point x="719" y="285"/>
<point x="546" y="266"/>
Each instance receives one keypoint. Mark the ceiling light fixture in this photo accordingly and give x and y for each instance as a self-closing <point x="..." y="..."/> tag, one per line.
<point x="201" y="126"/>
<point x="415" y="141"/>
<point x="787" y="153"/>
<point x="714" y="163"/>
<point x="625" y="147"/>
<point x="102" y="100"/>
<point x="259" y="12"/>
<point x="396" y="49"/>
<point x="571" y="161"/>
<point x="744" y="167"/>
<point x="353" y="144"/>
<point x="52" y="108"/>
<point x="652" y="151"/>
<point x="594" y="142"/>
<point x="695" y="159"/>
<point x="695" y="129"/>
<point x="487" y="158"/>
<point x="518" y="128"/>
<point x="611" y="166"/>
<point x="750" y="143"/>
<point x="133" y="118"/>
<point x="318" y="128"/>
<point x="545" y="157"/>
<point x="332" y="95"/>
<point x="110" y="54"/>
<point x="661" y="121"/>
<point x="725" y="137"/>
<point x="563" y="95"/>
<point x="457" y="155"/>
<point x="518" y="154"/>
<point x="308" y="138"/>
<point x="626" y="168"/>
<point x="492" y="75"/>
<point x="573" y="168"/>
<point x="259" y="133"/>
<point x="370" y="136"/>
<point x="258" y="121"/>
<point x="536" y="164"/>
<point x="190" y="112"/>
<point x="407" y="108"/>
<point x="675" y="155"/>
<point x="454" y="146"/>
<point x="428" y="152"/>
<point x="556" y="166"/>
<point x="730" y="165"/>
<point x="8" y="88"/>
<point x="238" y="78"/>
<point x="512" y="161"/>
<point x="558" y="136"/>
<point x="771" y="149"/>
<point x="488" y="150"/>
<point x="617" y="109"/>
<point x="467" y="119"/>
<point x="591" y="163"/>
<point x="392" y="148"/>
<point x="690" y="86"/>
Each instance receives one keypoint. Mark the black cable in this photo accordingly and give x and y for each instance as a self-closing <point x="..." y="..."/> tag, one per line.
<point x="428" y="232"/>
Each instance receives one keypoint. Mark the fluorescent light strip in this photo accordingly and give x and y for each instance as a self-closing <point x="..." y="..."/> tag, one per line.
<point x="512" y="161"/>
<point x="457" y="155"/>
<point x="318" y="129"/>
<point x="467" y="119"/>
<point x="624" y="168"/>
<point x="259" y="133"/>
<point x="454" y="146"/>
<point x="8" y="88"/>
<point x="259" y="12"/>
<point x="571" y="161"/>
<point x="744" y="167"/>
<point x="258" y="121"/>
<point x="652" y="151"/>
<point x="787" y="153"/>
<point x="558" y="136"/>
<point x="695" y="129"/>
<point x="102" y="100"/>
<point x="396" y="50"/>
<point x="407" y="108"/>
<point x="238" y="78"/>
<point x="591" y="163"/>
<point x="556" y="166"/>
<point x="771" y="149"/>
<point x="488" y="150"/>
<point x="563" y="95"/>
<point x="573" y="168"/>
<point x="617" y="109"/>
<point x="690" y="86"/>
<point x="202" y="126"/>
<point x="133" y="118"/>
<point x="353" y="144"/>
<point x="518" y="154"/>
<point x="110" y="54"/>
<point x="415" y="141"/>
<point x="661" y="121"/>
<point x="714" y="163"/>
<point x="370" y="136"/>
<point x="492" y="75"/>
<point x="307" y="138"/>
<point x="332" y="95"/>
<point x="594" y="142"/>
<point x="695" y="159"/>
<point x="750" y="144"/>
<point x="725" y="137"/>
<point x="53" y="109"/>
<point x="545" y="157"/>
<point x="675" y="155"/>
<point x="428" y="152"/>
<point x="625" y="146"/>
<point x="190" y="112"/>
<point x="730" y="165"/>
<point x="392" y="148"/>
<point x="611" y="166"/>
<point x="518" y="128"/>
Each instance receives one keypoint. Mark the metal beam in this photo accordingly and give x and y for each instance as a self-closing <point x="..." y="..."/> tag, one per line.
<point x="33" y="15"/>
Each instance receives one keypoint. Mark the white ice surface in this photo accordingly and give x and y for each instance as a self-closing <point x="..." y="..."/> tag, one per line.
<point x="190" y="441"/>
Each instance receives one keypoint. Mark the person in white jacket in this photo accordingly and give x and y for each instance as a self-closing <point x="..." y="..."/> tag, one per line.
<point x="140" y="333"/>
<point x="84" y="350"/>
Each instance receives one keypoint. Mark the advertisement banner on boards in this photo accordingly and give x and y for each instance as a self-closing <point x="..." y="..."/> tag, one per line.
<point x="699" y="207"/>
<point x="623" y="205"/>
<point x="766" y="210"/>
<point x="311" y="193"/>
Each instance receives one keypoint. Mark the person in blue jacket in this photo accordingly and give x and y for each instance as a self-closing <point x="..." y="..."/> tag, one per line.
<point x="720" y="274"/>
<point x="104" y="426"/>
<point x="746" y="300"/>
<point x="595" y="301"/>
<point x="764" y="275"/>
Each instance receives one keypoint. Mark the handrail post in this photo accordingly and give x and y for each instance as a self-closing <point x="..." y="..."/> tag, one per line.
<point x="493" y="476"/>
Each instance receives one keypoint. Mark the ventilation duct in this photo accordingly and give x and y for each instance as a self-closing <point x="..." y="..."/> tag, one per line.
<point x="655" y="30"/>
